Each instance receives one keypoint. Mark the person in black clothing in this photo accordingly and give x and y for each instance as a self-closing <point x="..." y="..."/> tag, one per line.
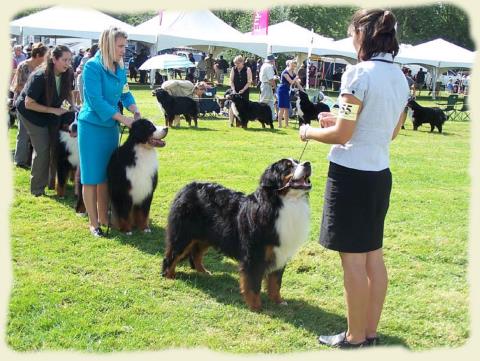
<point x="78" y="58"/>
<point x="240" y="80"/>
<point x="419" y="81"/>
<point x="39" y="107"/>
<point x="191" y="71"/>
<point x="142" y="58"/>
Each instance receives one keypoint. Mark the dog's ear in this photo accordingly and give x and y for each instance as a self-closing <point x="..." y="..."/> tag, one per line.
<point x="272" y="177"/>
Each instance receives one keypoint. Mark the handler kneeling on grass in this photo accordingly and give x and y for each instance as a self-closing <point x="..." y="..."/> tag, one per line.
<point x="372" y="98"/>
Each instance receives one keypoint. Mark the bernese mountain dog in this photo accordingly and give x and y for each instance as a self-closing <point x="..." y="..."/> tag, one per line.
<point x="68" y="161"/>
<point x="306" y="110"/>
<point x="262" y="231"/>
<point x="177" y="106"/>
<point x="421" y="115"/>
<point x="246" y="110"/>
<point x="132" y="175"/>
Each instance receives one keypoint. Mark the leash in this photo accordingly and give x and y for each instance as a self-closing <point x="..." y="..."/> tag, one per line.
<point x="303" y="151"/>
<point x="109" y="201"/>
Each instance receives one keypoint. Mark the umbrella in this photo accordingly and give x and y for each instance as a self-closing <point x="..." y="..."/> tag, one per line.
<point x="166" y="61"/>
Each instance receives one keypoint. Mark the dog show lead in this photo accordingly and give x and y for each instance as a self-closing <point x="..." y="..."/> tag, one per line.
<point x="372" y="99"/>
<point x="105" y="84"/>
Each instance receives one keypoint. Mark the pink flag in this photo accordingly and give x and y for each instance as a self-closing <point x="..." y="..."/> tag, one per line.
<point x="260" y="22"/>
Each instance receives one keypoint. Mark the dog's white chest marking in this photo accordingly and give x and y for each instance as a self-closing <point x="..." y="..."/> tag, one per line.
<point x="234" y="110"/>
<point x="299" y="109"/>
<point x="293" y="227"/>
<point x="140" y="175"/>
<point x="71" y="144"/>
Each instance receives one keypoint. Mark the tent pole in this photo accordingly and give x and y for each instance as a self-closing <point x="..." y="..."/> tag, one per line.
<point x="434" y="85"/>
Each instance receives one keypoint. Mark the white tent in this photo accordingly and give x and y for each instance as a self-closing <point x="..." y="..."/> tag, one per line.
<point x="166" y="61"/>
<point x="61" y="21"/>
<point x="438" y="53"/>
<point x="198" y="29"/>
<point x="287" y="37"/>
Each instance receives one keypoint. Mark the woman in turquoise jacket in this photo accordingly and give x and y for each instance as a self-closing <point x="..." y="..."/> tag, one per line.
<point x="105" y="84"/>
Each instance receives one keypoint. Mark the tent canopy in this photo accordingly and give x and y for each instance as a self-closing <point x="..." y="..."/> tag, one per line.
<point x="287" y="37"/>
<point x="166" y="61"/>
<point x="67" y="22"/>
<point x="199" y="29"/>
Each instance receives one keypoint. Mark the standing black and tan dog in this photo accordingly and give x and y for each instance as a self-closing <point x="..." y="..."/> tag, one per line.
<point x="173" y="105"/>
<point x="262" y="231"/>
<point x="306" y="110"/>
<point x="132" y="175"/>
<point x="421" y="115"/>
<point x="245" y="111"/>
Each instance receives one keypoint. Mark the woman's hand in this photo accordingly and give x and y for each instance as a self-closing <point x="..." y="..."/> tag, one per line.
<point x="127" y="121"/>
<point x="58" y="111"/>
<point x="327" y="119"/>
<point x="303" y="132"/>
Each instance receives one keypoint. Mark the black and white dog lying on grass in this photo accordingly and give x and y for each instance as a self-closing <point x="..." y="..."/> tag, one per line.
<point x="262" y="231"/>
<point x="132" y="175"/>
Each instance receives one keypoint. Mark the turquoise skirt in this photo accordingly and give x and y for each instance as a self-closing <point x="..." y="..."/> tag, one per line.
<point x="95" y="146"/>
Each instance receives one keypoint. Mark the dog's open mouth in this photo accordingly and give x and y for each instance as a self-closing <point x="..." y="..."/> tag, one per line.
<point x="301" y="183"/>
<point x="155" y="142"/>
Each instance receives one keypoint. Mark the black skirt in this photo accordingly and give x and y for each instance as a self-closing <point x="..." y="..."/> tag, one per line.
<point x="354" y="210"/>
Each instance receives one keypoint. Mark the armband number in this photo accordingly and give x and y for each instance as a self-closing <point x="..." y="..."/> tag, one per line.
<point x="348" y="111"/>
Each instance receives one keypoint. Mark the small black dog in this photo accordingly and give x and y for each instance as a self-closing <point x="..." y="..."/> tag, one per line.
<point x="132" y="175"/>
<point x="175" y="106"/>
<point x="421" y="115"/>
<point x="245" y="110"/>
<point x="306" y="110"/>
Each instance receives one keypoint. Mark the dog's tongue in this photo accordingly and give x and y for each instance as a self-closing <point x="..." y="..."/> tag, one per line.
<point x="157" y="142"/>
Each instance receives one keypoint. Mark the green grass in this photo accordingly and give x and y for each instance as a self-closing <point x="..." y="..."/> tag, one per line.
<point x="74" y="292"/>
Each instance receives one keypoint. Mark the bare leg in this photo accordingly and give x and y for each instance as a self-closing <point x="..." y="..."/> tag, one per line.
<point x="90" y="200"/>
<point x="377" y="284"/>
<point x="356" y="294"/>
<point x="102" y="203"/>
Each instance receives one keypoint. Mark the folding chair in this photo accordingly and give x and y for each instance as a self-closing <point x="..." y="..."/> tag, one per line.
<point x="450" y="106"/>
<point x="464" y="111"/>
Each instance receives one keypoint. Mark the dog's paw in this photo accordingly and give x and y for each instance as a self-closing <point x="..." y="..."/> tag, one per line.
<point x="129" y="233"/>
<point x="147" y="230"/>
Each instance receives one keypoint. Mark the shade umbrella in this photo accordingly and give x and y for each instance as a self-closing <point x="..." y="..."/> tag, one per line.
<point x="166" y="61"/>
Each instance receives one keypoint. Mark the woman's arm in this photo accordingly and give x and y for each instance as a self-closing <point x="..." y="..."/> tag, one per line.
<point x="341" y="129"/>
<point x="232" y="85"/>
<point x="401" y="121"/>
<point x="31" y="104"/>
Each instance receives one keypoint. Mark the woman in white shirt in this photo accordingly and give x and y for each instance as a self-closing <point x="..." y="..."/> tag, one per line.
<point x="372" y="100"/>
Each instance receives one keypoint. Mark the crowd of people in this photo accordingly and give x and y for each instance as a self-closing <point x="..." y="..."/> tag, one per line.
<point x="423" y="80"/>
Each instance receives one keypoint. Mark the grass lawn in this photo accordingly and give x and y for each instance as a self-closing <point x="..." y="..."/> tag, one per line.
<point x="74" y="292"/>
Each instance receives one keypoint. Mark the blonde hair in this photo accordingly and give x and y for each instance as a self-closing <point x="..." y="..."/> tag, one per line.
<point x="106" y="45"/>
<point x="291" y="62"/>
<point x="238" y="59"/>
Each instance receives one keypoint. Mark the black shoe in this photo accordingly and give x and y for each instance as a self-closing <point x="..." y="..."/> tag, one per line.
<point x="22" y="166"/>
<point x="340" y="341"/>
<point x="373" y="341"/>
<point x="39" y="194"/>
<point x="97" y="232"/>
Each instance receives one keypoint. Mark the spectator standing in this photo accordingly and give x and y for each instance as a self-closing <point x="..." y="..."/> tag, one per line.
<point x="419" y="81"/>
<point x="24" y="69"/>
<point x="302" y="74"/>
<point x="132" y="69"/>
<point x="209" y="67"/>
<point x="89" y="55"/>
<point x="267" y="83"/>
<point x="39" y="106"/>
<point x="105" y="84"/>
<point x="78" y="58"/>
<point x="18" y="55"/>
<point x="191" y="70"/>
<point x="201" y="67"/>
<point x="142" y="58"/>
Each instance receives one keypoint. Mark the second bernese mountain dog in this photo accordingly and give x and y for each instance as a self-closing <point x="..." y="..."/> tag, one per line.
<point x="421" y="115"/>
<point x="132" y="174"/>
<point x="245" y="110"/>
<point x="262" y="231"/>
<point x="306" y="110"/>
<point x="173" y="105"/>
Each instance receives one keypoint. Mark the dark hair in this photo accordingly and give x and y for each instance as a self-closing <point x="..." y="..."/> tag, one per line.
<point x="377" y="30"/>
<point x="39" y="49"/>
<point x="93" y="50"/>
<point x="66" y="81"/>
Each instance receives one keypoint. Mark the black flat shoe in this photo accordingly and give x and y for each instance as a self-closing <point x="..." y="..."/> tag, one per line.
<point x="97" y="232"/>
<point x="340" y="341"/>
<point x="373" y="341"/>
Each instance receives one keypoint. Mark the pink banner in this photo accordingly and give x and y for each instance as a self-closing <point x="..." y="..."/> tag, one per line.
<point x="260" y="22"/>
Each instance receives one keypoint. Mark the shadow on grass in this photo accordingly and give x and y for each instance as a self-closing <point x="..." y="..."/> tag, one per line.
<point x="199" y="129"/>
<point x="151" y="243"/>
<point x="224" y="288"/>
